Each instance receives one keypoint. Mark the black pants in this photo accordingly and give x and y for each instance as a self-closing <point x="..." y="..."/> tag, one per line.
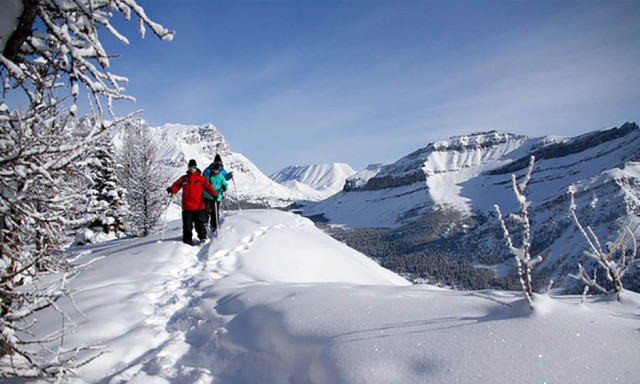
<point x="189" y="220"/>
<point x="212" y="212"/>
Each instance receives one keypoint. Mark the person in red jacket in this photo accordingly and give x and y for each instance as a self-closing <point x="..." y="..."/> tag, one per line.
<point x="192" y="185"/>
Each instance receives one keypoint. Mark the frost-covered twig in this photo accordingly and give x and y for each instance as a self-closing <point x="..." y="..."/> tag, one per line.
<point x="614" y="260"/>
<point x="47" y="355"/>
<point x="522" y="255"/>
<point x="590" y="282"/>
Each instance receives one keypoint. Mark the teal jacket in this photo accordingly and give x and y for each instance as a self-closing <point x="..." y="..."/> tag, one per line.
<point x="216" y="180"/>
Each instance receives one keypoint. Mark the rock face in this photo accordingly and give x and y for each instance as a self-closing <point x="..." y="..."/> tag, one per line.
<point x="389" y="181"/>
<point x="577" y="145"/>
<point x="471" y="173"/>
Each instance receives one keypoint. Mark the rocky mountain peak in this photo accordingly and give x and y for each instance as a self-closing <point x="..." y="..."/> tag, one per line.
<point x="459" y="152"/>
<point x="474" y="141"/>
<point x="573" y="146"/>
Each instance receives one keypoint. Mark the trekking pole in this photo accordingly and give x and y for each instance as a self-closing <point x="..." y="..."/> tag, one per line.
<point x="164" y="224"/>
<point x="235" y="188"/>
<point x="217" y="213"/>
<point x="164" y="227"/>
<point x="224" y="206"/>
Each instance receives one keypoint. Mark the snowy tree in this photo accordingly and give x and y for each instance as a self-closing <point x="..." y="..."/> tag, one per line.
<point x="107" y="196"/>
<point x="43" y="163"/>
<point x="48" y="50"/>
<point x="522" y="255"/>
<point x="141" y="176"/>
<point x="615" y="259"/>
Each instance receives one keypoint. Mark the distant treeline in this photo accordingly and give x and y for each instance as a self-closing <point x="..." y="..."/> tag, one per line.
<point x="437" y="249"/>
<point x="422" y="251"/>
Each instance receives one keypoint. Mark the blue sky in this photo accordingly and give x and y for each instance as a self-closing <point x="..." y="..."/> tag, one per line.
<point x="306" y="82"/>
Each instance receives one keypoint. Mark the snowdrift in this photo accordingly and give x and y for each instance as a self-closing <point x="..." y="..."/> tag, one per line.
<point x="274" y="300"/>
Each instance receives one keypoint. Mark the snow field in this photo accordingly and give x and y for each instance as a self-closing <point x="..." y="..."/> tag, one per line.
<point x="274" y="300"/>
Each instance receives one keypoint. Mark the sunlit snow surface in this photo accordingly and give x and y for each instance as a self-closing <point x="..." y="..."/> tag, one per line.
<point x="316" y="181"/>
<point x="274" y="300"/>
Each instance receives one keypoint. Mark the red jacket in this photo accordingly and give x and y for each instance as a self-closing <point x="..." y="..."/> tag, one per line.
<point x="192" y="185"/>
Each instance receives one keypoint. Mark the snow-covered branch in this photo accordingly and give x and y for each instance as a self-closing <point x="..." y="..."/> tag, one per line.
<point x="45" y="173"/>
<point x="522" y="255"/>
<point x="613" y="259"/>
<point x="59" y="48"/>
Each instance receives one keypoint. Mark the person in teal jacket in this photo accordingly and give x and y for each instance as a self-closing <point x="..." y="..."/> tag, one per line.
<point x="218" y="160"/>
<point x="211" y="204"/>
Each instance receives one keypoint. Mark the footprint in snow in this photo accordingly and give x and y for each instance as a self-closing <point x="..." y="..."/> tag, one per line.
<point x="220" y="254"/>
<point x="241" y="248"/>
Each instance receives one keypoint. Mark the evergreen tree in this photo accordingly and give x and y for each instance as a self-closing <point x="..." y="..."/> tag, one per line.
<point x="107" y="196"/>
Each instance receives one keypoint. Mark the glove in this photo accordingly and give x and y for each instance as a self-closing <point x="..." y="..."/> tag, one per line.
<point x="224" y="188"/>
<point x="170" y="191"/>
<point x="229" y="176"/>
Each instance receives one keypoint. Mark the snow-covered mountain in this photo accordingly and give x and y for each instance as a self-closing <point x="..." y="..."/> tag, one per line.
<point x="317" y="181"/>
<point x="471" y="173"/>
<point x="390" y="195"/>
<point x="178" y="143"/>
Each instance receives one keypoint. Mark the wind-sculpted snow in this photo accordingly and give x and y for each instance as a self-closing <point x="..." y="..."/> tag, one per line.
<point x="274" y="300"/>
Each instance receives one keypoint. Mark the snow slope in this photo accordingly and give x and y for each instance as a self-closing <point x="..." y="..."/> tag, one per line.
<point x="319" y="181"/>
<point x="274" y="300"/>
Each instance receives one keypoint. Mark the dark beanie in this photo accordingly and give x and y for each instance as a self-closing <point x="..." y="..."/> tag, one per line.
<point x="192" y="163"/>
<point x="217" y="159"/>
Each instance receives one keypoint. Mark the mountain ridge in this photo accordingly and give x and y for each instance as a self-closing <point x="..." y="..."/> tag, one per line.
<point x="441" y="169"/>
<point x="470" y="175"/>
